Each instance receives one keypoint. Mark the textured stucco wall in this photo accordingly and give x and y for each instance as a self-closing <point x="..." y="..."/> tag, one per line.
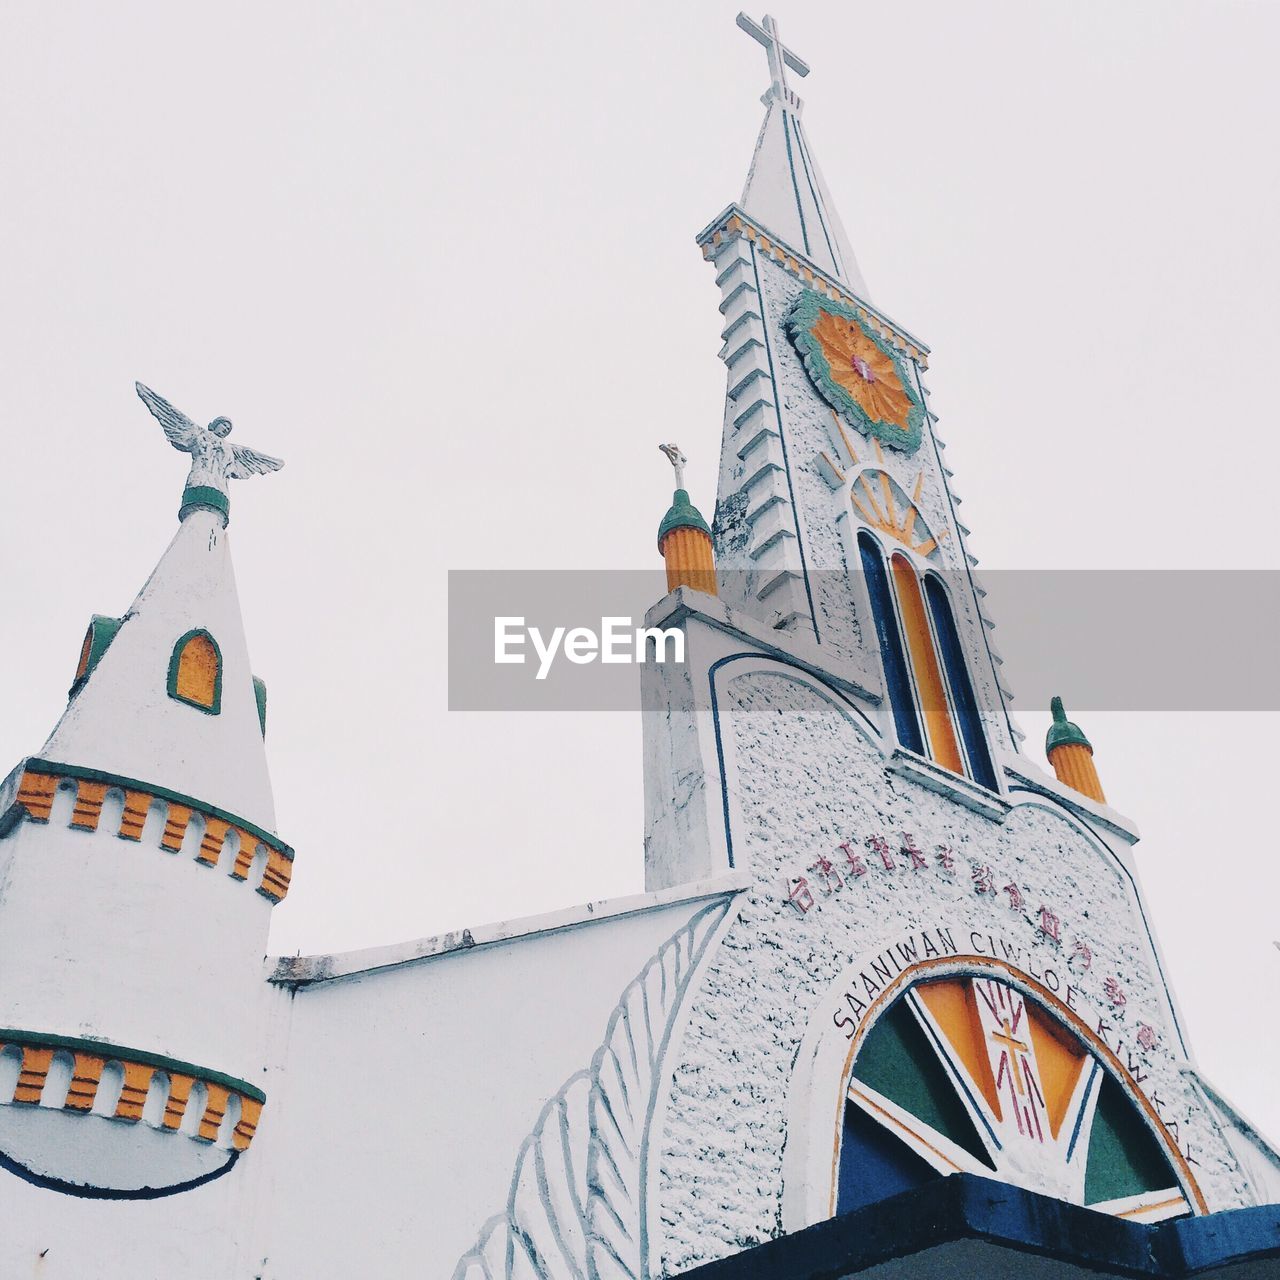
<point x="804" y="779"/>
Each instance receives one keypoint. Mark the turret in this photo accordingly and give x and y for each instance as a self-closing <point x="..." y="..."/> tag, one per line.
<point x="140" y="863"/>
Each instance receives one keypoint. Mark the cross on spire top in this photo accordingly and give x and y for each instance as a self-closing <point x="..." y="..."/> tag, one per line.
<point x="780" y="57"/>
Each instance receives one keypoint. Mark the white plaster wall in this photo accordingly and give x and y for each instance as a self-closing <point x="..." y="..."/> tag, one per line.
<point x="410" y="1090"/>
<point x="801" y="779"/>
<point x="127" y="942"/>
<point x="203" y="1234"/>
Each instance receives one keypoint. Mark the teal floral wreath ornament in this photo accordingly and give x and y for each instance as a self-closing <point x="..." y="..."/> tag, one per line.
<point x="858" y="374"/>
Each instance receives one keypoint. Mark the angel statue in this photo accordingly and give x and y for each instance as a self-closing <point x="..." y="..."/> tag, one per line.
<point x="213" y="460"/>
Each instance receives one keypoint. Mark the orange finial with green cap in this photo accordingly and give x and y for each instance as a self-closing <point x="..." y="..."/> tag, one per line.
<point x="1071" y="754"/>
<point x="684" y="540"/>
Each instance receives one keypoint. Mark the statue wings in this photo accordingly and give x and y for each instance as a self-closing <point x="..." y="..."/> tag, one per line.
<point x="183" y="434"/>
<point x="178" y="428"/>
<point x="249" y="462"/>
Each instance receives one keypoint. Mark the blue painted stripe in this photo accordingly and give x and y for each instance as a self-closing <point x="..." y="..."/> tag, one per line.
<point x="803" y="145"/>
<point x="795" y="186"/>
<point x="782" y="439"/>
<point x="1084" y="1106"/>
<point x="49" y="1183"/>
<point x="959" y="1079"/>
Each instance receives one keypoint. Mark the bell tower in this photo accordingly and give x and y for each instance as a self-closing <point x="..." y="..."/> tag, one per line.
<point x="944" y="962"/>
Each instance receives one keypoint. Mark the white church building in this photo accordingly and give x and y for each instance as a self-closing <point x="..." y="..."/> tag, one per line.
<point x="891" y="1001"/>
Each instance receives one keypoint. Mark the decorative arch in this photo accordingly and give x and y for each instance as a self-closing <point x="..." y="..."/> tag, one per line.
<point x="963" y="1063"/>
<point x="881" y="504"/>
<point x="785" y="668"/>
<point x="195" y="671"/>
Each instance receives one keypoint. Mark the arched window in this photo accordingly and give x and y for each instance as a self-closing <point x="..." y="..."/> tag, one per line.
<point x="897" y="678"/>
<point x="968" y="1074"/>
<point x="943" y="746"/>
<point x="966" y="705"/>
<point x="935" y="712"/>
<point x="195" y="672"/>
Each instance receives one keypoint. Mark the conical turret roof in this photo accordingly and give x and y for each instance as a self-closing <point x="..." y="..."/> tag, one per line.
<point x="123" y="718"/>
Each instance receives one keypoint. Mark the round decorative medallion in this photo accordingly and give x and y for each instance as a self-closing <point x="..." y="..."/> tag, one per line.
<point x="856" y="371"/>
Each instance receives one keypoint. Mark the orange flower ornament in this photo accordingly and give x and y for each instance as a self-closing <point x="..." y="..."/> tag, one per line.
<point x="856" y="371"/>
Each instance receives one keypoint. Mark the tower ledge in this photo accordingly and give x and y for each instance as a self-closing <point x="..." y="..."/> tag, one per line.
<point x="734" y="221"/>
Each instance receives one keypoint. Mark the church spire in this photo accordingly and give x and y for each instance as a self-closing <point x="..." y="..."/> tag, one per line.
<point x="785" y="190"/>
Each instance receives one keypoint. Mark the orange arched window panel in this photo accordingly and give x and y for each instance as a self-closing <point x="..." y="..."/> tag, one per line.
<point x="195" y="672"/>
<point x="943" y="745"/>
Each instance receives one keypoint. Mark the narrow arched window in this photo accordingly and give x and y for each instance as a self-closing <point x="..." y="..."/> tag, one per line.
<point x="897" y="678"/>
<point x="195" y="672"/>
<point x="930" y="685"/>
<point x="957" y="671"/>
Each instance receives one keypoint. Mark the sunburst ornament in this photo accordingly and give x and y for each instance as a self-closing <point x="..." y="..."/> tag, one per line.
<point x="856" y="371"/>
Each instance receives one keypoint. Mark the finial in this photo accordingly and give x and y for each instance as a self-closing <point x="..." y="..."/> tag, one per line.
<point x="213" y="461"/>
<point x="1071" y="754"/>
<point x="684" y="541"/>
<point x="780" y="57"/>
<point x="677" y="460"/>
<point x="1062" y="732"/>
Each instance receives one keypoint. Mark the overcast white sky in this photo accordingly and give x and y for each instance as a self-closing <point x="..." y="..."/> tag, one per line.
<point x="441" y="260"/>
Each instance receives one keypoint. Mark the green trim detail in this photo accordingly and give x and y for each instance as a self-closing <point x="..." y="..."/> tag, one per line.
<point x="37" y="765"/>
<point x="799" y="322"/>
<point x="1062" y="732"/>
<point x="204" y="497"/>
<point x="102" y="631"/>
<point x="106" y="1049"/>
<point x="260" y="697"/>
<point x="897" y="1060"/>
<point x="682" y="515"/>
<point x="1124" y="1158"/>
<point x="175" y="659"/>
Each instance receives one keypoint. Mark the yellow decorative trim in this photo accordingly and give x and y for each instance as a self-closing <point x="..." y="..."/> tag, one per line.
<point x="32" y="1075"/>
<point x="887" y="520"/>
<point x="85" y="1077"/>
<point x="214" y="1111"/>
<point x="250" y="1111"/>
<point x="133" y="1096"/>
<point x="734" y="226"/>
<point x="134" y="817"/>
<point x="36" y="793"/>
<point x="276" y="876"/>
<point x="175" y="827"/>
<point x="244" y="858"/>
<point x="179" y="1095"/>
<point x="89" y="798"/>
<point x="215" y="832"/>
